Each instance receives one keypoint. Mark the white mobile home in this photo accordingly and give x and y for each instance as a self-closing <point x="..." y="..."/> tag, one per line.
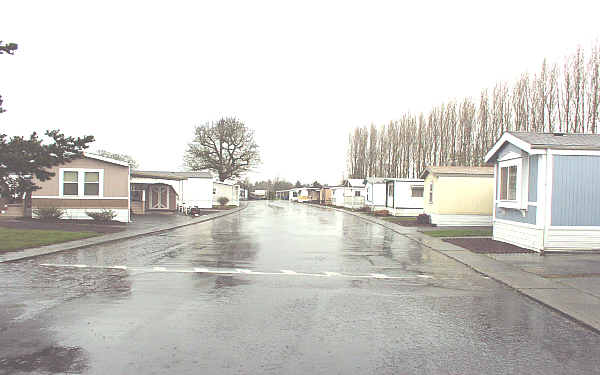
<point x="337" y="195"/>
<point x="354" y="193"/>
<point x="404" y="196"/>
<point x="192" y="189"/>
<point x="226" y="190"/>
<point x="293" y="194"/>
<point x="375" y="190"/>
<point x="546" y="194"/>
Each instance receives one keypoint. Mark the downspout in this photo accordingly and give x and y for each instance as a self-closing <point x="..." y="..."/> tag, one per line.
<point x="546" y="203"/>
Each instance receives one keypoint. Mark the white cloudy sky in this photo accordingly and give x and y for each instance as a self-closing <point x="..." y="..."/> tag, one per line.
<point x="138" y="75"/>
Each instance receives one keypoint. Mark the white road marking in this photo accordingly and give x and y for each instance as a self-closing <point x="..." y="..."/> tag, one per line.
<point x="379" y="276"/>
<point x="242" y="271"/>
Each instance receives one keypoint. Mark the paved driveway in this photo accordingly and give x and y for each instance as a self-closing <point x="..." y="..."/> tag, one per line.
<point x="278" y="288"/>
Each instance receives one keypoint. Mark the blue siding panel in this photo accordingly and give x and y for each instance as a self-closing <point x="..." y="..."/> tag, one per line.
<point x="575" y="191"/>
<point x="533" y="177"/>
<point x="515" y="215"/>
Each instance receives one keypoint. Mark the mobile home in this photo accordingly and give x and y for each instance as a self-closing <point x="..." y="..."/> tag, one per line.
<point x="404" y="196"/>
<point x="91" y="183"/>
<point x="459" y="196"/>
<point x="546" y="195"/>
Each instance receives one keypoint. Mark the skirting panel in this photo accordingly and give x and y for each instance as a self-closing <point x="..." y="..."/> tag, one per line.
<point x="573" y="239"/>
<point x="406" y="211"/>
<point x="519" y="235"/>
<point x="80" y="214"/>
<point x="461" y="220"/>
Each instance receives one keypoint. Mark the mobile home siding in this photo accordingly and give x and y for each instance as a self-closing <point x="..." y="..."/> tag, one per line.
<point x="515" y="215"/>
<point x="533" y="177"/>
<point x="575" y="204"/>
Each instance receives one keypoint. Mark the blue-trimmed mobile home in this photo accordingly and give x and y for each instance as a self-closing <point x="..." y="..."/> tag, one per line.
<point x="547" y="190"/>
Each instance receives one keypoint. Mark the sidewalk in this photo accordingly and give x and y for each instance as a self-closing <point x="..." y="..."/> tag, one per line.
<point x="143" y="226"/>
<point x="568" y="284"/>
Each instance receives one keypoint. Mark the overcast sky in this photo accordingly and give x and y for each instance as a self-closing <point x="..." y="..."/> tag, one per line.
<point x="138" y="75"/>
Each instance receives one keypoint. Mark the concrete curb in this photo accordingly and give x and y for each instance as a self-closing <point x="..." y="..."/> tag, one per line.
<point x="571" y="302"/>
<point x="107" y="238"/>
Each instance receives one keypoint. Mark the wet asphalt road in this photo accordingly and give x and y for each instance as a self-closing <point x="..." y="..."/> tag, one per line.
<point x="330" y="311"/>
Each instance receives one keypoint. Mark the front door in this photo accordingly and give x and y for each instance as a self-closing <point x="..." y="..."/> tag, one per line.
<point x="389" y="194"/>
<point x="159" y="197"/>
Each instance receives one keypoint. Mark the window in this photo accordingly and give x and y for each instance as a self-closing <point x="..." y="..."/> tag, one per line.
<point x="81" y="182"/>
<point x="390" y="189"/>
<point x="70" y="183"/>
<point x="431" y="192"/>
<point x="91" y="185"/>
<point x="513" y="183"/>
<point x="417" y="191"/>
<point x="214" y="190"/>
<point x="357" y="193"/>
<point x="508" y="183"/>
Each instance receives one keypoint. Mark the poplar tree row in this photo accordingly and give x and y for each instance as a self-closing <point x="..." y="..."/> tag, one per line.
<point x="559" y="98"/>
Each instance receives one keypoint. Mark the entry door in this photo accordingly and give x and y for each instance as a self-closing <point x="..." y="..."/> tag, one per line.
<point x="389" y="194"/>
<point x="159" y="197"/>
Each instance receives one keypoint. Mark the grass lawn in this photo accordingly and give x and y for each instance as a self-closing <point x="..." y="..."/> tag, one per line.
<point x="15" y="239"/>
<point x="459" y="233"/>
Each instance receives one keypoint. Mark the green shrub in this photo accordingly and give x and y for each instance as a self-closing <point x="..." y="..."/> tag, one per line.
<point x="48" y="213"/>
<point x="104" y="215"/>
<point x="223" y="201"/>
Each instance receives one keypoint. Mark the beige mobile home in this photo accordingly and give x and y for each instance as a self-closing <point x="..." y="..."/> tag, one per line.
<point x="91" y="183"/>
<point x="459" y="195"/>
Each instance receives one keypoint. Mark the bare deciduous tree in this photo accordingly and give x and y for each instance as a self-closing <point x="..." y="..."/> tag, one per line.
<point x="226" y="147"/>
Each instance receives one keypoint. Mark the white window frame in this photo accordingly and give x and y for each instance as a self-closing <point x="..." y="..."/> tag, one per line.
<point x="80" y="183"/>
<point x="430" y="192"/>
<point x="420" y="187"/>
<point x="522" y="183"/>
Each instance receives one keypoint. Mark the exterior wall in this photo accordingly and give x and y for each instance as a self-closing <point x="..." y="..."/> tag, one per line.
<point x="292" y="197"/>
<point x="338" y="197"/>
<point x="533" y="177"/>
<point x="460" y="195"/>
<point x="575" y="190"/>
<point x="80" y="213"/>
<point x="114" y="193"/>
<point x="227" y="191"/>
<point x="326" y="196"/>
<point x="526" y="236"/>
<point x="405" y="211"/>
<point x="116" y="178"/>
<point x="354" y="202"/>
<point x="138" y="208"/>
<point x="404" y="202"/>
<point x="565" y="238"/>
<point x="375" y="194"/>
<point x="461" y="220"/>
<point x="528" y="217"/>
<point x="196" y="192"/>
